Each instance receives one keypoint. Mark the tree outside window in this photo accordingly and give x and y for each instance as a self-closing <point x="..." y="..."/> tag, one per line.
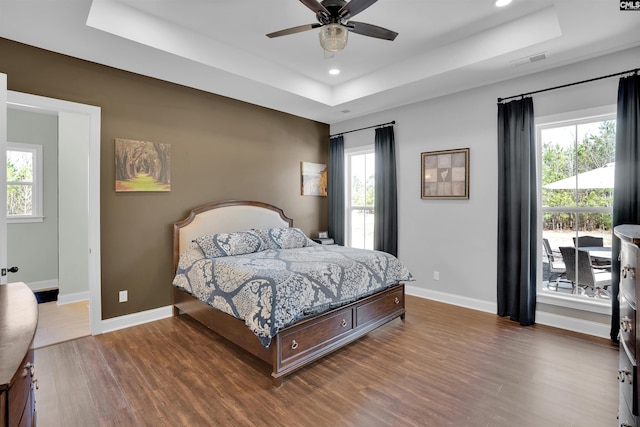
<point x="24" y="181"/>
<point x="577" y="170"/>
<point x="19" y="183"/>
<point x="361" y="187"/>
<point x="568" y="152"/>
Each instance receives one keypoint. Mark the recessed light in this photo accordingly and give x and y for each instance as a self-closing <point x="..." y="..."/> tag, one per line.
<point x="502" y="3"/>
<point x="334" y="71"/>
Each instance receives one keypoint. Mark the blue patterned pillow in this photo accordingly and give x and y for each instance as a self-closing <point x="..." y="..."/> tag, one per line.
<point x="264" y="235"/>
<point x="287" y="238"/>
<point x="228" y="244"/>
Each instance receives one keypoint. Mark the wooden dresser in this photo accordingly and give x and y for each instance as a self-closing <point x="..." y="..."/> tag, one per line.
<point x="629" y="337"/>
<point x="18" y="321"/>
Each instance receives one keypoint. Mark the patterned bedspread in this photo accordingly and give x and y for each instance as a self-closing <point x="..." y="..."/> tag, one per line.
<point x="274" y="288"/>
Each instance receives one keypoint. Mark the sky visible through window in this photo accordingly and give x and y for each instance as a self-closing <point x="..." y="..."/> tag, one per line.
<point x="565" y="136"/>
<point x="362" y="168"/>
<point x="22" y="163"/>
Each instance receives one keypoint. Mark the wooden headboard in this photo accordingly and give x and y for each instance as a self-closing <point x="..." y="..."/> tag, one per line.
<point x="225" y="217"/>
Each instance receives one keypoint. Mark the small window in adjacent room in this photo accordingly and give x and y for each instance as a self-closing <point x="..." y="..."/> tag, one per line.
<point x="24" y="182"/>
<point x="360" y="186"/>
<point x="577" y="161"/>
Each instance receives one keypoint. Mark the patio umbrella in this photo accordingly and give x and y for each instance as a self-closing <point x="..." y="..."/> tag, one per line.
<point x="595" y="178"/>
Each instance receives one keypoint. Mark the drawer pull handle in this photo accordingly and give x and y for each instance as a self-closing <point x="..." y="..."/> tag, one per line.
<point x="28" y="369"/>
<point x="625" y="324"/>
<point x="628" y="269"/>
<point x="624" y="375"/>
<point x="397" y="300"/>
<point x="344" y="323"/>
<point x="294" y="345"/>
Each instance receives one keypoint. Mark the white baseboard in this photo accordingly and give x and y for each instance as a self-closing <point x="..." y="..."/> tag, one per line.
<point x="43" y="285"/>
<point x="572" y="324"/>
<point x="472" y="303"/>
<point x="563" y="322"/>
<point x="71" y="298"/>
<point x="128" y="320"/>
<point x="587" y="327"/>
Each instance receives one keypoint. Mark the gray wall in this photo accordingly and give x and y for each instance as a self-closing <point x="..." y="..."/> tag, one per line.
<point x="458" y="238"/>
<point x="73" y="223"/>
<point x="33" y="247"/>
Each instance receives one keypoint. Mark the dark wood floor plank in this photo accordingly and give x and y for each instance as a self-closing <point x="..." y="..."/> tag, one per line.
<point x="442" y="366"/>
<point x="76" y="386"/>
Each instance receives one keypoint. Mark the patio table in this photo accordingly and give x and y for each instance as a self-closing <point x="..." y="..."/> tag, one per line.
<point x="598" y="252"/>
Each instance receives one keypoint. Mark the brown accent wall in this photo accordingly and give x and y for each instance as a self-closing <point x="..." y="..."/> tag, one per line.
<point x="221" y="149"/>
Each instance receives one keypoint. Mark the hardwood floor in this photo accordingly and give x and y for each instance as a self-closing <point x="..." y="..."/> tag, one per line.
<point x="443" y="366"/>
<point x="59" y="323"/>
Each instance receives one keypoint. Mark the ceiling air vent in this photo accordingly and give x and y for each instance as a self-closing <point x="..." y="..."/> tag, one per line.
<point x="529" y="59"/>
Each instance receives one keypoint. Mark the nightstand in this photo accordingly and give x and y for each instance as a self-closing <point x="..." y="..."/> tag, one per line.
<point x="326" y="241"/>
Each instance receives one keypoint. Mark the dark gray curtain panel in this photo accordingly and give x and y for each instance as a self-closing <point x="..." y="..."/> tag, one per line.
<point x="517" y="212"/>
<point x="626" y="187"/>
<point x="336" y="189"/>
<point x="385" y="229"/>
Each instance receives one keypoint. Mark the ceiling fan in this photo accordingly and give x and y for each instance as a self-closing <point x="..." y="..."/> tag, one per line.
<point x="334" y="20"/>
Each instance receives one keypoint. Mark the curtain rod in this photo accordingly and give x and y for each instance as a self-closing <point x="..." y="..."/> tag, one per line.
<point x="571" y="84"/>
<point x="368" y="127"/>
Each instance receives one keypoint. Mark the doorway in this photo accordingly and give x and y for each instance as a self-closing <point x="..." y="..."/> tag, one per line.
<point x="79" y="127"/>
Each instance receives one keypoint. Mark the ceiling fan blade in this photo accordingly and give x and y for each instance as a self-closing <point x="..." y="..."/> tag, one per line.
<point x="354" y="7"/>
<point x="371" y="30"/>
<point x="293" y="30"/>
<point x="316" y="7"/>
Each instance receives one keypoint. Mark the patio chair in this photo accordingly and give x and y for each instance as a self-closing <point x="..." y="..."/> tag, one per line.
<point x="592" y="241"/>
<point x="556" y="264"/>
<point x="594" y="282"/>
<point x="588" y="241"/>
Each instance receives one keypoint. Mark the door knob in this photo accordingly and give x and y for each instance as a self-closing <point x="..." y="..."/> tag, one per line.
<point x="13" y="269"/>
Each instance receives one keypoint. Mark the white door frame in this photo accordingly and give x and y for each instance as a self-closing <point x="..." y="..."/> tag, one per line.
<point x="34" y="102"/>
<point x="3" y="178"/>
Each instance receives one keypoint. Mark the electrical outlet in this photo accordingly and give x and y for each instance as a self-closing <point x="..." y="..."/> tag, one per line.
<point x="436" y="275"/>
<point x="123" y="296"/>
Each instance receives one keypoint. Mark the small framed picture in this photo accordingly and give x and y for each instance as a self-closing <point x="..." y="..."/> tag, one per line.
<point x="323" y="234"/>
<point x="445" y="174"/>
<point x="142" y="166"/>
<point x="313" y="179"/>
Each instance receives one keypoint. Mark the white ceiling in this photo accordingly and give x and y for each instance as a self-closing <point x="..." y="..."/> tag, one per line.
<point x="220" y="46"/>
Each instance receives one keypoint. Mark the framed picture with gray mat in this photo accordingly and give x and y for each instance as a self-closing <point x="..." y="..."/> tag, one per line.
<point x="445" y="174"/>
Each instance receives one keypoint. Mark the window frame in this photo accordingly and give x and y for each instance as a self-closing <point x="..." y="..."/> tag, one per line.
<point x="349" y="153"/>
<point x="607" y="112"/>
<point x="37" y="184"/>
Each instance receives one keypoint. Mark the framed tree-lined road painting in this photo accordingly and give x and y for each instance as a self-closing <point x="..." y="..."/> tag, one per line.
<point x="445" y="174"/>
<point x="142" y="166"/>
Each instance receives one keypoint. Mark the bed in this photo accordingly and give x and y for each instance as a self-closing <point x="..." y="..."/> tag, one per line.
<point x="305" y="321"/>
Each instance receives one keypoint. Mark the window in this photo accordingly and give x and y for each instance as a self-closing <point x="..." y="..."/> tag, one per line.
<point x="360" y="196"/>
<point x="24" y="182"/>
<point x="576" y="189"/>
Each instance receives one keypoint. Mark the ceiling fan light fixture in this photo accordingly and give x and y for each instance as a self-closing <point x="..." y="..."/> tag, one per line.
<point x="333" y="37"/>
